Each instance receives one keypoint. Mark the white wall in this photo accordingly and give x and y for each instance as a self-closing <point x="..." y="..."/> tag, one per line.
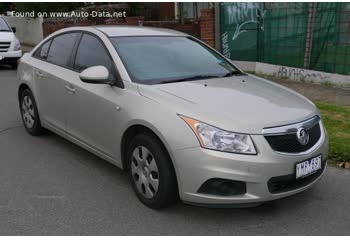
<point x="295" y="74"/>
<point x="29" y="30"/>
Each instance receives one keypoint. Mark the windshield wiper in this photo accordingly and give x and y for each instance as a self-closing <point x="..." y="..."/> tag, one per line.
<point x="4" y="30"/>
<point x="192" y="78"/>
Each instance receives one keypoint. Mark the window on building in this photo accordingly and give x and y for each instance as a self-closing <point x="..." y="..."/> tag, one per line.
<point x="191" y="9"/>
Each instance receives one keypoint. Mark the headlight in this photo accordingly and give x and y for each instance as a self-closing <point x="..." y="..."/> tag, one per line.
<point x="17" y="46"/>
<point x="218" y="139"/>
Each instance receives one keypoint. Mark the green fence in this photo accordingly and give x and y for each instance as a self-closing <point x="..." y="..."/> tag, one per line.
<point x="306" y="35"/>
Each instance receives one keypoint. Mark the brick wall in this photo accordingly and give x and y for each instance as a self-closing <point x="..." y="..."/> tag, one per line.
<point x="53" y="25"/>
<point x="130" y="21"/>
<point x="207" y="23"/>
<point x="50" y="26"/>
<point x="191" y="28"/>
<point x="203" y="29"/>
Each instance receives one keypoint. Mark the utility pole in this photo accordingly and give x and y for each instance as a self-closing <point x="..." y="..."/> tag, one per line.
<point x="182" y="17"/>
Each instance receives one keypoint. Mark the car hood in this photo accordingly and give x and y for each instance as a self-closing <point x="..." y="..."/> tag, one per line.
<point x="245" y="104"/>
<point x="7" y="37"/>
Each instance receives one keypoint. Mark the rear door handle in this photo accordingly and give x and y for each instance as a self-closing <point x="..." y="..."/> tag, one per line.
<point x="70" y="89"/>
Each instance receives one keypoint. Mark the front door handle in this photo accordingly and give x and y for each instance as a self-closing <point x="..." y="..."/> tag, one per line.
<point x="40" y="74"/>
<point x="69" y="89"/>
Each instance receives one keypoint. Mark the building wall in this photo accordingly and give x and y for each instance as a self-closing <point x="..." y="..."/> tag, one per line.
<point x="29" y="30"/>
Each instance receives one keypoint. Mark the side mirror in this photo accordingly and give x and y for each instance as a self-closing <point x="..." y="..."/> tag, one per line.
<point x="96" y="74"/>
<point x="14" y="29"/>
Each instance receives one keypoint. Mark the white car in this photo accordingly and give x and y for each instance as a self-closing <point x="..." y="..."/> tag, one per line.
<point x="179" y="117"/>
<point x="10" y="47"/>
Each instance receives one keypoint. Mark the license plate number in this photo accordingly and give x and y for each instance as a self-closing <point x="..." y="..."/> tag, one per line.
<point x="308" y="167"/>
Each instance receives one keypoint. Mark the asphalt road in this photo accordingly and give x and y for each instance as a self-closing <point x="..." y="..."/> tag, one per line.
<point x="49" y="186"/>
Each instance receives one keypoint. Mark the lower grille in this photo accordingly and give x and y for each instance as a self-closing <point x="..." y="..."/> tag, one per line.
<point x="4" y="46"/>
<point x="289" y="182"/>
<point x="288" y="143"/>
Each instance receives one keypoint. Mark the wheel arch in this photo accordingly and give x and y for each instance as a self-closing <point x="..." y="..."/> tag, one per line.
<point x="21" y="88"/>
<point x="135" y="129"/>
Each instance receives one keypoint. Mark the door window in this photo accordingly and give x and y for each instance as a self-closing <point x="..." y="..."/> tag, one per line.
<point x="91" y="52"/>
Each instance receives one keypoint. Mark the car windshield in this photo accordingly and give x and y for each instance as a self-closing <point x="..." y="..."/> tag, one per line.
<point x="155" y="60"/>
<point x="3" y="26"/>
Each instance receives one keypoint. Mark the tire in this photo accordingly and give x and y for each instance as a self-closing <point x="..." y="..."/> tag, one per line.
<point x="14" y="66"/>
<point x="30" y="114"/>
<point x="148" y="163"/>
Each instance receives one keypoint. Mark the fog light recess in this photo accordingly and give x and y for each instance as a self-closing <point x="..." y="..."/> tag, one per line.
<point x="223" y="187"/>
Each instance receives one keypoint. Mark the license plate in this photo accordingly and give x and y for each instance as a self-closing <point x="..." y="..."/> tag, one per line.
<point x="308" y="167"/>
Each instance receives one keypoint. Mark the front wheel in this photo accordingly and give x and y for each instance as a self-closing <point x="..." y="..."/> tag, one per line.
<point x="151" y="172"/>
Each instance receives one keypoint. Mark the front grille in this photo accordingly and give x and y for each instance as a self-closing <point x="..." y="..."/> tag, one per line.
<point x="288" y="143"/>
<point x="4" y="46"/>
<point x="289" y="182"/>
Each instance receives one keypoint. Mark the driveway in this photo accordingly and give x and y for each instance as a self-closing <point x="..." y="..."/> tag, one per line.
<point x="49" y="186"/>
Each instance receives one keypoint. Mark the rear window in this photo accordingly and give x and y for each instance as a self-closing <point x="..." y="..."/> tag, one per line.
<point x="61" y="49"/>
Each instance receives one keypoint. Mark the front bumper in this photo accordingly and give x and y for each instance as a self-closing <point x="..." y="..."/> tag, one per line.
<point x="10" y="57"/>
<point x="197" y="165"/>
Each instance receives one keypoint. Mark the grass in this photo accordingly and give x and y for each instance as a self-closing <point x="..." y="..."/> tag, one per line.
<point x="337" y="122"/>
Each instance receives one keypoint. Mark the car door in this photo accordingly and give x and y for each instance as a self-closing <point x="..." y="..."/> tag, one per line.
<point x="93" y="109"/>
<point x="51" y="68"/>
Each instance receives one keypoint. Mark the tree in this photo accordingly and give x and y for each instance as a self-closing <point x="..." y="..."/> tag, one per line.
<point x="6" y="6"/>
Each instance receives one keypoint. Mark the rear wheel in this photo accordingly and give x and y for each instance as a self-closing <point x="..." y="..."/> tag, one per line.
<point x="151" y="172"/>
<point x="29" y="113"/>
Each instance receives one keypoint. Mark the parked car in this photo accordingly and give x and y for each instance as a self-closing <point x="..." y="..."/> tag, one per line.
<point x="179" y="117"/>
<point x="10" y="47"/>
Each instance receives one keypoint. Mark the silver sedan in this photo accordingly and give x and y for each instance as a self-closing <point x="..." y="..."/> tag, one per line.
<point x="179" y="117"/>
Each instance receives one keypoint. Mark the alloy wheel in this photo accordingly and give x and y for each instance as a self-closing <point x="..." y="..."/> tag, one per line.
<point x="28" y="112"/>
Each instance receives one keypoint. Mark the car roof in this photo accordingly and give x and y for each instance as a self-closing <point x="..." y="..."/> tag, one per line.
<point x="121" y="31"/>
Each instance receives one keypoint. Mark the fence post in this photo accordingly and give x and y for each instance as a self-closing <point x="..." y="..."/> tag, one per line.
<point x="217" y="27"/>
<point x="309" y="35"/>
<point x="260" y="34"/>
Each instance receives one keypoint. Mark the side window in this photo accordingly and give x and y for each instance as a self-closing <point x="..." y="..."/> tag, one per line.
<point x="91" y="52"/>
<point x="62" y="48"/>
<point x="43" y="50"/>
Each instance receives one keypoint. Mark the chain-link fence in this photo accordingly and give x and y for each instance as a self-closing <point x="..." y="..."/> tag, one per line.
<point x="306" y="35"/>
